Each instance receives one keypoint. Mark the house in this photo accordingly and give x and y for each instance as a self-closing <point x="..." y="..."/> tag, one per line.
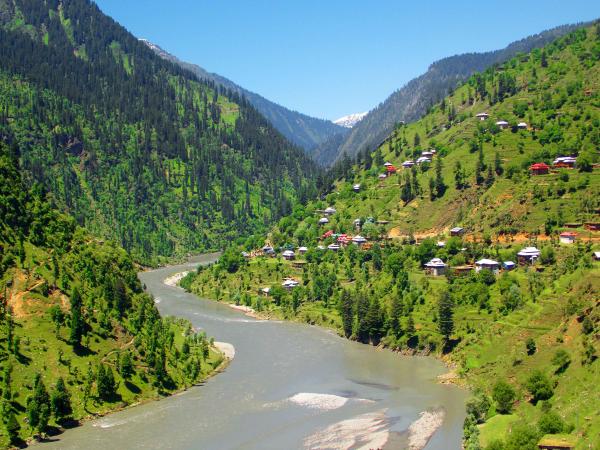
<point x="596" y="256"/>
<point x="522" y="126"/>
<point x="357" y="223"/>
<point x="487" y="264"/>
<point x="268" y="250"/>
<point x="462" y="270"/>
<point x="334" y="247"/>
<point x="264" y="291"/>
<point x="423" y="159"/>
<point x="441" y="244"/>
<point x="387" y="164"/>
<point x="457" y="231"/>
<point x="528" y="255"/>
<point x="382" y="176"/>
<point x="508" y="265"/>
<point x="289" y="283"/>
<point x="302" y="250"/>
<point x="327" y="234"/>
<point x="502" y="124"/>
<point x="436" y="267"/>
<point x="557" y="442"/>
<point x="482" y="115"/>
<point x="359" y="240"/>
<point x="427" y="154"/>
<point x="298" y="264"/>
<point x="408" y="164"/>
<point x="356" y="188"/>
<point x="390" y="170"/>
<point x="539" y="169"/>
<point x="245" y="255"/>
<point x="567" y="237"/>
<point x="329" y="211"/>
<point x="592" y="226"/>
<point x="382" y="222"/>
<point x="573" y="225"/>
<point x="344" y="239"/>
<point x="564" y="161"/>
<point x="323" y="221"/>
<point x="288" y="255"/>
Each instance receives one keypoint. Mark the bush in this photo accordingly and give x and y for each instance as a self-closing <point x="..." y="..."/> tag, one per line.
<point x="504" y="395"/>
<point x="561" y="359"/>
<point x="522" y="437"/>
<point x="551" y="423"/>
<point x="231" y="260"/>
<point x="531" y="347"/>
<point x="539" y="386"/>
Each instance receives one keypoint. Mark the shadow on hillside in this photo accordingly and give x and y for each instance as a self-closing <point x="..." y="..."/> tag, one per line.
<point x="83" y="351"/>
<point x="132" y="387"/>
<point x="449" y="345"/>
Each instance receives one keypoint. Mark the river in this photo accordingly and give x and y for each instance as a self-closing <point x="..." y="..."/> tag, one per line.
<point x="289" y="386"/>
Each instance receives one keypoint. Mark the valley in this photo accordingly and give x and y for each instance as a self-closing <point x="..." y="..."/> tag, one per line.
<point x="424" y="275"/>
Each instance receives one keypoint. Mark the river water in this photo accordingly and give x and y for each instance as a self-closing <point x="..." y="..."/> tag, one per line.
<point x="289" y="386"/>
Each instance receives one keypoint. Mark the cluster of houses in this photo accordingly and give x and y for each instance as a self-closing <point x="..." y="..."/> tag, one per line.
<point x="526" y="256"/>
<point x="562" y="162"/>
<point x="502" y="124"/>
<point x="425" y="157"/>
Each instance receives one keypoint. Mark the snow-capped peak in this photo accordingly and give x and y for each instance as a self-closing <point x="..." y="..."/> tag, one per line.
<point x="350" y="120"/>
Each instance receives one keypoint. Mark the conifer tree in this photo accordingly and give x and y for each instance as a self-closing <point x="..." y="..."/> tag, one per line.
<point x="446" y="313"/>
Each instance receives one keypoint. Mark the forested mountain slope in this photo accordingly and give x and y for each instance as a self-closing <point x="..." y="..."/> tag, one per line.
<point x="305" y="131"/>
<point x="77" y="334"/>
<point x="412" y="101"/>
<point x="135" y="147"/>
<point x="524" y="336"/>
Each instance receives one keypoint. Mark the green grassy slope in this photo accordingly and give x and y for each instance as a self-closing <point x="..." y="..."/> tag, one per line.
<point x="72" y="309"/>
<point x="489" y="329"/>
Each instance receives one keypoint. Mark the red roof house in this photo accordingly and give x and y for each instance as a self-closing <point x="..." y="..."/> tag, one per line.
<point x="390" y="169"/>
<point x="539" y="169"/>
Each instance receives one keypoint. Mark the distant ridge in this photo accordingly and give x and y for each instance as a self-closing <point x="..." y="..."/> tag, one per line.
<point x="412" y="101"/>
<point x="305" y="131"/>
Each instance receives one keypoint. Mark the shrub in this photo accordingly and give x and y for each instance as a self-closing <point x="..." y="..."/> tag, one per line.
<point x="531" y="347"/>
<point x="539" y="386"/>
<point x="561" y="359"/>
<point x="551" y="423"/>
<point x="504" y="396"/>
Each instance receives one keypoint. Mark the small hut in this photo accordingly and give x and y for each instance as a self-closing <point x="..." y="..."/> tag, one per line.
<point x="356" y="187"/>
<point x="323" y="221"/>
<point x="408" y="164"/>
<point x="288" y="255"/>
<point x="302" y="250"/>
<point x="522" y="126"/>
<point x="359" y="240"/>
<point x="567" y="237"/>
<point x="509" y="265"/>
<point x="502" y="124"/>
<point x="482" y="115"/>
<point x="457" y="231"/>
<point x="487" y="264"/>
<point x="528" y="255"/>
<point x="436" y="267"/>
<point x="539" y="169"/>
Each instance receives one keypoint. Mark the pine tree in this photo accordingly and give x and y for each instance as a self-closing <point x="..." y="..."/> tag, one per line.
<point x="396" y="312"/>
<point x="12" y="427"/>
<point x="498" y="165"/>
<point x="346" y="312"/>
<point x="440" y="186"/>
<point x="446" y="312"/>
<point x="60" y="401"/>
<point x="77" y="323"/>
<point x="38" y="406"/>
<point x="459" y="176"/>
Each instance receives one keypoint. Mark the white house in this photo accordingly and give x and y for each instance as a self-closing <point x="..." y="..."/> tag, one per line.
<point x="567" y="237"/>
<point x="330" y="210"/>
<point x="323" y="221"/>
<point x="597" y="256"/>
<point x="302" y="250"/>
<point x="268" y="250"/>
<point x="487" y="264"/>
<point x="522" y="126"/>
<point x="436" y="267"/>
<point x="502" y="124"/>
<point x="408" y="164"/>
<point x="289" y="283"/>
<point x="382" y="176"/>
<point x="359" y="240"/>
<point x="427" y="154"/>
<point x="356" y="187"/>
<point x="387" y="164"/>
<point x="423" y="159"/>
<point x="334" y="247"/>
<point x="482" y="115"/>
<point x="289" y="255"/>
<point x="528" y="255"/>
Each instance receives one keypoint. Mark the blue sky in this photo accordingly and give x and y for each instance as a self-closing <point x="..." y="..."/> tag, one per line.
<point x="328" y="58"/>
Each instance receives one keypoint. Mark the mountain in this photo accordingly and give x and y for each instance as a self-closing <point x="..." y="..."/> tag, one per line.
<point x="412" y="101"/>
<point x="522" y="336"/>
<point x="350" y="120"/>
<point x="135" y="147"/>
<point x="305" y="131"/>
<point x="78" y="337"/>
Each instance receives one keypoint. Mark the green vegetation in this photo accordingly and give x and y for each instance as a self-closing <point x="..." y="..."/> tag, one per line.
<point x="523" y="339"/>
<point x="134" y="147"/>
<point x="78" y="337"/>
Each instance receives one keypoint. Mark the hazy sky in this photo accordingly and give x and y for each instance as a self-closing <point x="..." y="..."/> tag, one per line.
<point x="328" y="58"/>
